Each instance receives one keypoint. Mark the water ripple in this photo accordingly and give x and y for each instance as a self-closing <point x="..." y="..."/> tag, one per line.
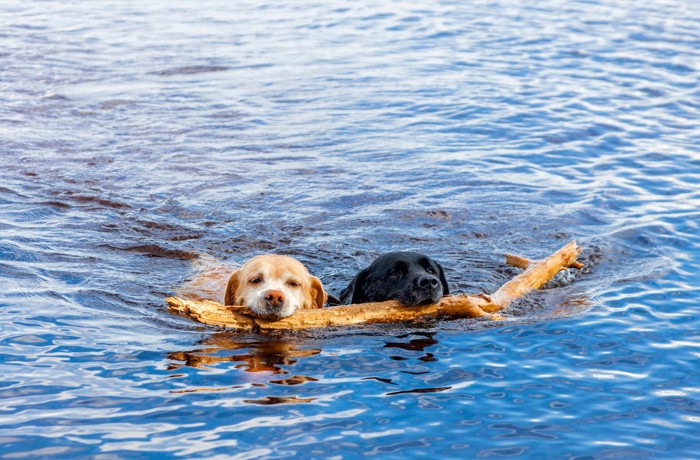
<point x="142" y="146"/>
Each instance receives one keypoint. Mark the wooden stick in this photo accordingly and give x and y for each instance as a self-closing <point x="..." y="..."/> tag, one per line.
<point x="517" y="261"/>
<point x="536" y="274"/>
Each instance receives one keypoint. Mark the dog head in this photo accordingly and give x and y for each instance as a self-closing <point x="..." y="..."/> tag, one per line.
<point x="409" y="277"/>
<point x="274" y="287"/>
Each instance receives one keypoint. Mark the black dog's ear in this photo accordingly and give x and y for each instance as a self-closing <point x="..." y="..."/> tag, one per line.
<point x="333" y="300"/>
<point x="355" y="290"/>
<point x="443" y="280"/>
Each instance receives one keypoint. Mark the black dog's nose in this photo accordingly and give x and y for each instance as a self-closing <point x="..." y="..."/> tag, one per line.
<point x="428" y="282"/>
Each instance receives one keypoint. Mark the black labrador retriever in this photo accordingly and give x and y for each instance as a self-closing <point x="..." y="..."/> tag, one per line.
<point x="409" y="277"/>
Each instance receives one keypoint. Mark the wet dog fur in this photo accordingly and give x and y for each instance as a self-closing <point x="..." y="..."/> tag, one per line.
<point x="411" y="278"/>
<point x="274" y="286"/>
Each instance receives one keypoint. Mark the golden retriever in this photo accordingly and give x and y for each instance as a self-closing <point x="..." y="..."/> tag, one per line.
<point x="274" y="287"/>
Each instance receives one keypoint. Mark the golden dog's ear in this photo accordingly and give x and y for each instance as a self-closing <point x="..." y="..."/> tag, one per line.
<point x="231" y="288"/>
<point x="318" y="294"/>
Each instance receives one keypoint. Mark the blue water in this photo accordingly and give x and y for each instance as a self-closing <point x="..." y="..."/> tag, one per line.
<point x="140" y="141"/>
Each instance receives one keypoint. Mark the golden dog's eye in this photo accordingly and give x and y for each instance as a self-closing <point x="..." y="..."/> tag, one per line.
<point x="293" y="283"/>
<point x="255" y="280"/>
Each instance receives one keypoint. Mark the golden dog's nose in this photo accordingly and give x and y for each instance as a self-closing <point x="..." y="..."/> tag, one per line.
<point x="275" y="298"/>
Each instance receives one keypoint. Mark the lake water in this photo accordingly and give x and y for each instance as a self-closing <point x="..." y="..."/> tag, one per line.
<point x="142" y="141"/>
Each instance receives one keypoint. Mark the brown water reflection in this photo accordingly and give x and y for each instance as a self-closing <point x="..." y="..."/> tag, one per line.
<point x="255" y="356"/>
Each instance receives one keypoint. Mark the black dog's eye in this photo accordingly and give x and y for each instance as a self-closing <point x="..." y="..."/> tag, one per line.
<point x="255" y="280"/>
<point x="430" y="270"/>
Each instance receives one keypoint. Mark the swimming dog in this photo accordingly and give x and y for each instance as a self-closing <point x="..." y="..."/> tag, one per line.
<point x="409" y="277"/>
<point x="274" y="287"/>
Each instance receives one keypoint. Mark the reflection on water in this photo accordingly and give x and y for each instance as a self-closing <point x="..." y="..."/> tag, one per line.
<point x="144" y="145"/>
<point x="279" y="356"/>
<point x="267" y="355"/>
<point x="418" y="344"/>
<point x="248" y="353"/>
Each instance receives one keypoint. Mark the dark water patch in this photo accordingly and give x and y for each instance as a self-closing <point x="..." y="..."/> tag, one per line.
<point x="154" y="250"/>
<point x="164" y="230"/>
<point x="413" y="344"/>
<point x="271" y="400"/>
<point x="190" y="70"/>
<point x="56" y="204"/>
<point x="418" y="390"/>
<point x="115" y="103"/>
<point x="387" y="381"/>
<point x="244" y="244"/>
<point x="184" y="237"/>
<point x="103" y="202"/>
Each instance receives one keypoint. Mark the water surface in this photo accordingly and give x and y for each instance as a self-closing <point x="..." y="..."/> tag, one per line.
<point x="140" y="141"/>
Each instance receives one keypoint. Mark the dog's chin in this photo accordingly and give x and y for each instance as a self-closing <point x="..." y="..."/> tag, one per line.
<point x="265" y="311"/>
<point x="415" y="298"/>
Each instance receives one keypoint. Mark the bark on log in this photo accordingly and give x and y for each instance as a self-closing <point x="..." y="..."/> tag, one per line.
<point x="536" y="274"/>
